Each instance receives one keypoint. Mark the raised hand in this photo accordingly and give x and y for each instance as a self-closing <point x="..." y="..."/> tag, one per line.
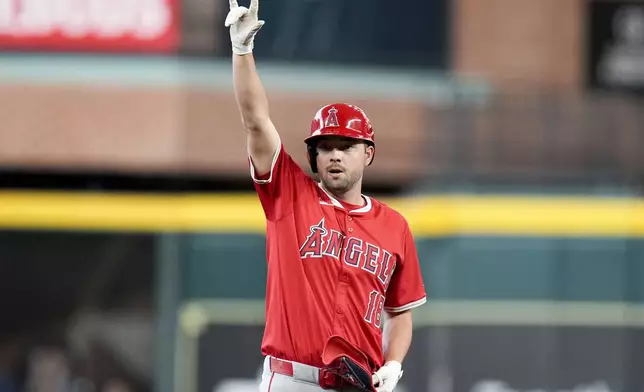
<point x="244" y="25"/>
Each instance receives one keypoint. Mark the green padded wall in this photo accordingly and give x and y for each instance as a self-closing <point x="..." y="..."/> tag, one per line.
<point x="477" y="268"/>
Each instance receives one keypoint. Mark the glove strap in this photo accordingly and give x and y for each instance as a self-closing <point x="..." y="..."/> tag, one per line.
<point x="243" y="49"/>
<point x="396" y="365"/>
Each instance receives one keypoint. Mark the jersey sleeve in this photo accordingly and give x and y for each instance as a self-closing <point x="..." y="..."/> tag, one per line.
<point x="276" y="188"/>
<point x="406" y="289"/>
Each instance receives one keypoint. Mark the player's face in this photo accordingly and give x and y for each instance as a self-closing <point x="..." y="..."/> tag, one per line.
<point x="341" y="162"/>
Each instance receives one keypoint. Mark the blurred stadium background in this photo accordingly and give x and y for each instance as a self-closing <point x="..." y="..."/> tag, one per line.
<point x="509" y="132"/>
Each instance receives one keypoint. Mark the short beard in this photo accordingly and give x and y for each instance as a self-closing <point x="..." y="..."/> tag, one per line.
<point x="340" y="187"/>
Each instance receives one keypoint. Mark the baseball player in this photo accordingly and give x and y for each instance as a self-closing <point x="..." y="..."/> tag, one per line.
<point x="338" y="261"/>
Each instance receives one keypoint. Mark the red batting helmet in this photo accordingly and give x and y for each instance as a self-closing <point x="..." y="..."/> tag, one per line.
<point x="339" y="119"/>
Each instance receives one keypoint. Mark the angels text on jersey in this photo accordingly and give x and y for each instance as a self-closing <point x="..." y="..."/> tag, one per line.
<point x="356" y="253"/>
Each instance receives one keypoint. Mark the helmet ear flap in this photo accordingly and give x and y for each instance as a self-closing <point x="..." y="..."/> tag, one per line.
<point x="312" y="154"/>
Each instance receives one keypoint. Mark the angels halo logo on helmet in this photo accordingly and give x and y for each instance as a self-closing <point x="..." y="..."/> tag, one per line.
<point x="338" y="119"/>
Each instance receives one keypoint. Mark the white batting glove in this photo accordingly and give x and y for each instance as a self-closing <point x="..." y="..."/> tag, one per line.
<point x="243" y="25"/>
<point x="386" y="378"/>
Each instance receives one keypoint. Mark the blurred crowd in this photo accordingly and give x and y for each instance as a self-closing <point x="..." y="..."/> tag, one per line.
<point x="47" y="361"/>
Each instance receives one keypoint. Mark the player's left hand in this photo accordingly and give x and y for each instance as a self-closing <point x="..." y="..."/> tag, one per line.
<point x="386" y="378"/>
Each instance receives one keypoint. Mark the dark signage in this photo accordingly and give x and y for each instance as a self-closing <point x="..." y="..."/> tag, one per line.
<point x="615" y="39"/>
<point x="358" y="32"/>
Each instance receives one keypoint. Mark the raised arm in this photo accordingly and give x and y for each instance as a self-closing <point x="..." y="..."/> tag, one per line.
<point x="262" y="137"/>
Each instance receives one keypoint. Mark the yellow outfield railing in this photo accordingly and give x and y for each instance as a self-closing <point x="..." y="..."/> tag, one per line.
<point x="427" y="215"/>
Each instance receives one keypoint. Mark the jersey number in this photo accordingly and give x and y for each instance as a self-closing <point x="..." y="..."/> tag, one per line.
<point x="374" y="308"/>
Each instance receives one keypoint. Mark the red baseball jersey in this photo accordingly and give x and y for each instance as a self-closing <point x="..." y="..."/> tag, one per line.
<point x="332" y="267"/>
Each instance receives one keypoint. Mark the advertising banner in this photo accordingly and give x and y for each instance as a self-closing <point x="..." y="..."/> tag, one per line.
<point x="89" y="25"/>
<point x="615" y="59"/>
